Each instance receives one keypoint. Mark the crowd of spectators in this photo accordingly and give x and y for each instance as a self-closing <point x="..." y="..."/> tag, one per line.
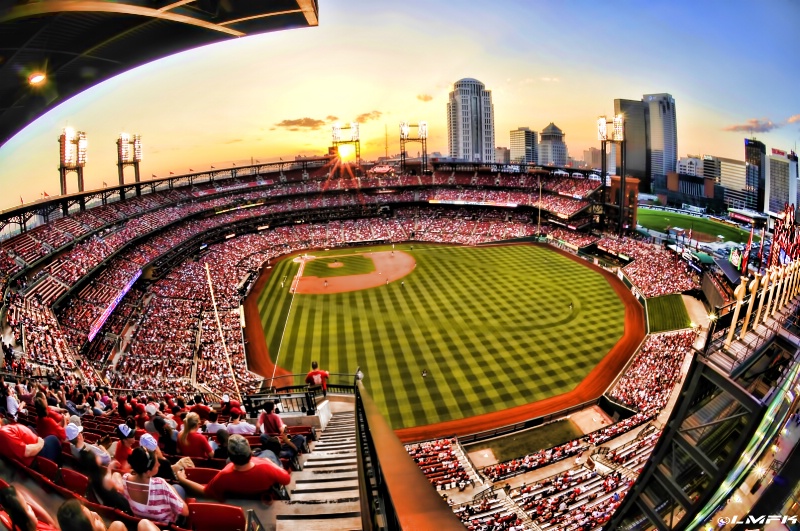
<point x="649" y="380"/>
<point x="441" y="462"/>
<point x="576" y="239"/>
<point x="488" y="515"/>
<point x="654" y="270"/>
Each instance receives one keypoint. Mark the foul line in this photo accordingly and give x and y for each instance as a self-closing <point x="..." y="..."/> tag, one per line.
<point x="293" y="290"/>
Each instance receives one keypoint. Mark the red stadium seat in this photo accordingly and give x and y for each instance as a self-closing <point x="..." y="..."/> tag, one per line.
<point x="201" y="475"/>
<point x="47" y="468"/>
<point x="215" y="516"/>
<point x="74" y="481"/>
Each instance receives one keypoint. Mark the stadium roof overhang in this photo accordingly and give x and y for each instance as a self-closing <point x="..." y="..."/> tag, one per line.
<point x="79" y="43"/>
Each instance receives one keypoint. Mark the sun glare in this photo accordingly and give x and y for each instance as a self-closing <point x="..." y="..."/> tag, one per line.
<point x="347" y="152"/>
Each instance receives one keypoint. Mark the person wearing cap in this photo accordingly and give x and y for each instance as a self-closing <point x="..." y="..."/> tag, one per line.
<point x="237" y="426"/>
<point x="77" y="443"/>
<point x="227" y="404"/>
<point x="317" y="378"/>
<point x="244" y="475"/>
<point x="124" y="447"/>
<point x="166" y="470"/>
<point x="149" y="496"/>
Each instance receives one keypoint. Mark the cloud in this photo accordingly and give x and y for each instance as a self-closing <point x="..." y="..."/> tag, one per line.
<point x="301" y="123"/>
<point x="550" y="79"/>
<point x="424" y="97"/>
<point x="234" y="141"/>
<point x="331" y="118"/>
<point x="367" y="116"/>
<point x="754" y="124"/>
<point x="794" y="119"/>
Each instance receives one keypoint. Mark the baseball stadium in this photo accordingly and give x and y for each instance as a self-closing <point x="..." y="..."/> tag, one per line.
<point x="320" y="343"/>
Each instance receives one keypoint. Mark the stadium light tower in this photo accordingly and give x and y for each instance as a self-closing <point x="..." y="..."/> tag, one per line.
<point x="617" y="136"/>
<point x="422" y="138"/>
<point x="354" y="141"/>
<point x="129" y="153"/>
<point x="72" y="157"/>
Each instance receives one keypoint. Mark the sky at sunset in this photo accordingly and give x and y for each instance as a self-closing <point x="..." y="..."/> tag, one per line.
<point x="729" y="64"/>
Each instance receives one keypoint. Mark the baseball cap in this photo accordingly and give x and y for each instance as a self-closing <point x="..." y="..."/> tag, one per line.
<point x="75" y="419"/>
<point x="124" y="431"/>
<point x="226" y="398"/>
<point x="236" y="411"/>
<point x="149" y="442"/>
<point x="151" y="409"/>
<point x="72" y="431"/>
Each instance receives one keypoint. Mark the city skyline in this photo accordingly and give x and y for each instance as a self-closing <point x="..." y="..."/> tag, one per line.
<point x="277" y="95"/>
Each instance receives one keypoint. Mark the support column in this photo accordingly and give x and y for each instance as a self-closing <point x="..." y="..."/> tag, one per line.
<point x="764" y="283"/>
<point x="777" y="294"/>
<point x="753" y="289"/>
<point x="740" y="291"/>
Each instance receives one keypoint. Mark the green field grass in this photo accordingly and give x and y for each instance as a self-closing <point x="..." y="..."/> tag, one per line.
<point x="666" y="313"/>
<point x="529" y="441"/>
<point x="350" y="265"/>
<point x="491" y="325"/>
<point x="659" y="220"/>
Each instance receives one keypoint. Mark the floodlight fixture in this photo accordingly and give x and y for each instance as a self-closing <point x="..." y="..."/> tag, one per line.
<point x="137" y="148"/>
<point x="422" y="129"/>
<point x="602" y="128"/>
<point x="73" y="148"/>
<point x="404" y="130"/>
<point x="337" y="132"/>
<point x="124" y="148"/>
<point x="619" y="128"/>
<point x="353" y="131"/>
<point x="37" y="78"/>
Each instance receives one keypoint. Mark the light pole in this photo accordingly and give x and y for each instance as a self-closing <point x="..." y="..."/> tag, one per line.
<point x="539" y="222"/>
<point x="712" y="326"/>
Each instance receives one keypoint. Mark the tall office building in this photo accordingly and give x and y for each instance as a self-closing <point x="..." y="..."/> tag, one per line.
<point x="651" y="137"/>
<point x="755" y="154"/>
<point x="637" y="159"/>
<point x="662" y="134"/>
<point x="524" y="148"/>
<point x="470" y="122"/>
<point x="552" y="149"/>
<point x="690" y="166"/>
<point x="502" y="155"/>
<point x="780" y="181"/>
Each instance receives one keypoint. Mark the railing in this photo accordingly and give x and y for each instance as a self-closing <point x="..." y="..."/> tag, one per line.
<point x="292" y="383"/>
<point x="394" y="493"/>
<point x="285" y="402"/>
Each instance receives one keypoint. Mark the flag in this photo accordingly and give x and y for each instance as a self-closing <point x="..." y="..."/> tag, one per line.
<point x="21" y="202"/>
<point x="258" y="161"/>
<point x="191" y="169"/>
<point x="761" y="249"/>
<point x="747" y="251"/>
<point x="212" y="167"/>
<point x="154" y="176"/>
<point x="46" y="194"/>
<point x="171" y="173"/>
<point x="104" y="183"/>
<point x="690" y="231"/>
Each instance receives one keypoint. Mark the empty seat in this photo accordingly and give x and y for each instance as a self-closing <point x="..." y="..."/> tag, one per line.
<point x="215" y="516"/>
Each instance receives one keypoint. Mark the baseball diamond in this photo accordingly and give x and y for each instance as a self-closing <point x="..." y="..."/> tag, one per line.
<point x="495" y="327"/>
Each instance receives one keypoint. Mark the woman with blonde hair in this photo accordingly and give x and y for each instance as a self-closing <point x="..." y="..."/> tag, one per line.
<point x="191" y="442"/>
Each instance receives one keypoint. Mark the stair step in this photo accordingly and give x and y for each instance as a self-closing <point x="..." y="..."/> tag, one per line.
<point x="333" y="488"/>
<point x="319" y="522"/>
<point x="327" y="480"/>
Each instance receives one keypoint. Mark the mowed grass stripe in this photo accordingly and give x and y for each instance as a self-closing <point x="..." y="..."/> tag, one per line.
<point x="667" y="312"/>
<point x="492" y="325"/>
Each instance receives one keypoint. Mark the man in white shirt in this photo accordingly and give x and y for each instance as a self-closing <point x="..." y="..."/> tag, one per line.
<point x="212" y="426"/>
<point x="76" y="444"/>
<point x="238" y="427"/>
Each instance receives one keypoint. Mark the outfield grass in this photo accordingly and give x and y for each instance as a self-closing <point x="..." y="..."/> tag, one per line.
<point x="351" y="265"/>
<point x="491" y="325"/>
<point x="659" y="220"/>
<point x="529" y="441"/>
<point x="667" y="312"/>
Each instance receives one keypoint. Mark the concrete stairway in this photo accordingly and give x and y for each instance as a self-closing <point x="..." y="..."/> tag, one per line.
<point x="328" y="481"/>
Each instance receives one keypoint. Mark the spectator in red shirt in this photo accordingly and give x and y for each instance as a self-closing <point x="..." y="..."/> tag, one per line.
<point x="317" y="377"/>
<point x="245" y="475"/>
<point x="127" y="439"/>
<point x="20" y="443"/>
<point x="24" y="512"/>
<point x="227" y="405"/>
<point x="191" y="443"/>
<point x="200" y="408"/>
<point x="45" y="425"/>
